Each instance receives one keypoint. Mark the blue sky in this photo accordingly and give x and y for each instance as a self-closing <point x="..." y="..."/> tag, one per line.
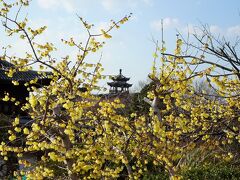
<point x="131" y="47"/>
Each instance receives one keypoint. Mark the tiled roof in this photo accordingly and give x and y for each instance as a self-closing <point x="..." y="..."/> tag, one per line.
<point x="120" y="77"/>
<point x="119" y="81"/>
<point x="24" y="76"/>
<point x="5" y="64"/>
<point x="119" y="84"/>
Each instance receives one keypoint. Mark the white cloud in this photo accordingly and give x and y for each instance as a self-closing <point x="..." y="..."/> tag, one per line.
<point x="234" y="30"/>
<point x="167" y="24"/>
<point x="231" y="33"/>
<point x="192" y="29"/>
<point x="37" y="23"/>
<point x="175" y="23"/>
<point x="101" y="25"/>
<point x="148" y="2"/>
<point x="110" y="4"/>
<point x="170" y="22"/>
<point x="47" y="4"/>
<point x="67" y="5"/>
<point x="116" y="5"/>
<point x="216" y="30"/>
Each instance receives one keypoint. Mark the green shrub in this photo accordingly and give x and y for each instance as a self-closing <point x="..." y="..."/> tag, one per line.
<point x="155" y="172"/>
<point x="210" y="172"/>
<point x="159" y="176"/>
<point x="222" y="172"/>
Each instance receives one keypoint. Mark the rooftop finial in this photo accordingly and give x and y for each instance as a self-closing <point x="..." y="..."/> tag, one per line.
<point x="120" y="71"/>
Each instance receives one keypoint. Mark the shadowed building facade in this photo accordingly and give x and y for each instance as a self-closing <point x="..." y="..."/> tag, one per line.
<point x="9" y="108"/>
<point x="20" y="91"/>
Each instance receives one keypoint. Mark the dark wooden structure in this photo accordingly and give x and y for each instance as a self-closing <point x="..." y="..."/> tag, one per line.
<point x="10" y="110"/>
<point x="19" y="92"/>
<point x="119" y="84"/>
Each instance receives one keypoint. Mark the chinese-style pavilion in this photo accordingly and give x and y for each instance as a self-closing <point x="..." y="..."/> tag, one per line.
<point x="119" y="84"/>
<point x="20" y="91"/>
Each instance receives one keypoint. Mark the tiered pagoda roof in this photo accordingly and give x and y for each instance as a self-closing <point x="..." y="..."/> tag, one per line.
<point x="119" y="83"/>
<point x="120" y="77"/>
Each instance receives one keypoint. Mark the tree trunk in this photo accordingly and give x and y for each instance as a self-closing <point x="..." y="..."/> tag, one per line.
<point x="69" y="162"/>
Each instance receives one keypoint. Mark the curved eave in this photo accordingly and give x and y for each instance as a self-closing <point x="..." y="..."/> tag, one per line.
<point x="122" y="78"/>
<point x="117" y="84"/>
